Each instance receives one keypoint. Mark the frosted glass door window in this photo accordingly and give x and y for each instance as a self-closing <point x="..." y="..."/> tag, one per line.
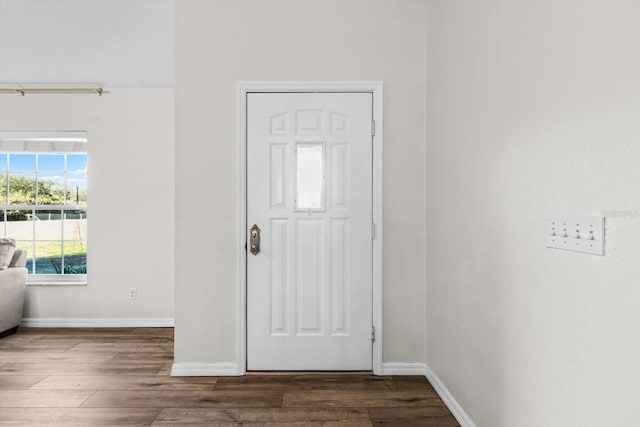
<point x="310" y="177"/>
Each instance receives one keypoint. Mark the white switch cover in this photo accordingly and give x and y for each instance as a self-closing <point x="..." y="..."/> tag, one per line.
<point x="575" y="233"/>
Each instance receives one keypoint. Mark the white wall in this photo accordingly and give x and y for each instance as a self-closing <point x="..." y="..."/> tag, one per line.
<point x="115" y="43"/>
<point x="131" y="197"/>
<point x="220" y="43"/>
<point x="533" y="108"/>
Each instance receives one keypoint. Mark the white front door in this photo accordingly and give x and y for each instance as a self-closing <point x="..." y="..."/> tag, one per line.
<point x="309" y="192"/>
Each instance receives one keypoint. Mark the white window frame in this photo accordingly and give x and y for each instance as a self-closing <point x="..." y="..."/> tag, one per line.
<point x="44" y="143"/>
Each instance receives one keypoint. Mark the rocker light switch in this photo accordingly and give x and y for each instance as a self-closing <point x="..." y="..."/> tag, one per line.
<point x="575" y="233"/>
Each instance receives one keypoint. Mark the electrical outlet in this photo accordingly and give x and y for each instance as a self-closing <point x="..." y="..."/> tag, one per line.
<point x="133" y="293"/>
<point x="575" y="233"/>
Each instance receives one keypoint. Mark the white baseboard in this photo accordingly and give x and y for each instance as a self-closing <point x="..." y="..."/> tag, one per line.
<point x="53" y="322"/>
<point x="403" y="369"/>
<point x="222" y="369"/>
<point x="448" y="399"/>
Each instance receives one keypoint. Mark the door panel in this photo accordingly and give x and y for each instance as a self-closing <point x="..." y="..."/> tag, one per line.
<point x="309" y="190"/>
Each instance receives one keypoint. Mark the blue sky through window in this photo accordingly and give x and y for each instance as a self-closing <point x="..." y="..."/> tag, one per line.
<point x="51" y="162"/>
<point x="22" y="162"/>
<point x="77" y="163"/>
<point x="50" y="167"/>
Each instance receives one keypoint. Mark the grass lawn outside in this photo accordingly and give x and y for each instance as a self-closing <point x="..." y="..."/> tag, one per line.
<point x="49" y="257"/>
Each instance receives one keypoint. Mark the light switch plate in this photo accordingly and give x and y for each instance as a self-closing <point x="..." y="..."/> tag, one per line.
<point x="575" y="233"/>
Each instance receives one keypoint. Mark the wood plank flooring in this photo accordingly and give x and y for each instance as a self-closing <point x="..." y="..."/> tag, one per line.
<point x="122" y="377"/>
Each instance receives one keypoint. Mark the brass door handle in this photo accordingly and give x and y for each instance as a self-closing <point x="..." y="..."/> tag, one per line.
<point x="254" y="239"/>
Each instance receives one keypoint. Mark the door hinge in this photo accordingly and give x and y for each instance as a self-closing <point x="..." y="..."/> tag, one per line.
<point x="373" y="128"/>
<point x="373" y="231"/>
<point x="373" y="333"/>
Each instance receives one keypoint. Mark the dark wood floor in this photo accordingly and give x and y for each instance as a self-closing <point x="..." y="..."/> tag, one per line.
<point x="122" y="376"/>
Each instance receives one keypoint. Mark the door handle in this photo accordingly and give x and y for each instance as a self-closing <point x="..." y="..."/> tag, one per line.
<point x="254" y="239"/>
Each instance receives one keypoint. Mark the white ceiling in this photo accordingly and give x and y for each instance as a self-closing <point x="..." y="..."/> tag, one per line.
<point x="115" y="43"/>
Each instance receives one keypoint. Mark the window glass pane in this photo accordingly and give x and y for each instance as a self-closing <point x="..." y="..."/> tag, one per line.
<point x="77" y="189"/>
<point x="51" y="162"/>
<point x="310" y="176"/>
<point x="19" y="225"/>
<point x="75" y="225"/>
<point x="3" y="162"/>
<point x="48" y="257"/>
<point x="75" y="258"/>
<point x="50" y="189"/>
<point x="76" y="162"/>
<point x="27" y="246"/>
<point x="47" y="215"/>
<point x="22" y="189"/>
<point x="22" y="162"/>
<point x="48" y="225"/>
<point x="3" y="188"/>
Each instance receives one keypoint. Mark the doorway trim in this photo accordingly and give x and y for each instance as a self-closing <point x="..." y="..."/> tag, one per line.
<point x="243" y="89"/>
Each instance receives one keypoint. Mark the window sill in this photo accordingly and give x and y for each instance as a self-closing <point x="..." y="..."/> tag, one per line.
<point x="61" y="283"/>
<point x="56" y="280"/>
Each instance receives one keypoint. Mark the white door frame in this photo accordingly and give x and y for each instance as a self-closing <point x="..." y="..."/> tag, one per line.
<point x="245" y="88"/>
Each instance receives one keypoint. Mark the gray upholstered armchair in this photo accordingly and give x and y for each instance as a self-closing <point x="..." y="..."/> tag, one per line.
<point x="12" y="288"/>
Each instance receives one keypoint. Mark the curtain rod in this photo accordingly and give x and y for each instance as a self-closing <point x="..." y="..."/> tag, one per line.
<point x="22" y="91"/>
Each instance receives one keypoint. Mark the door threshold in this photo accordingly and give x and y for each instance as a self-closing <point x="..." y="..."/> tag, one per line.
<point x="319" y="373"/>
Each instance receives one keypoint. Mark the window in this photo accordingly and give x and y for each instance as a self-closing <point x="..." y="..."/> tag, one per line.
<point x="43" y="202"/>
<point x="310" y="174"/>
